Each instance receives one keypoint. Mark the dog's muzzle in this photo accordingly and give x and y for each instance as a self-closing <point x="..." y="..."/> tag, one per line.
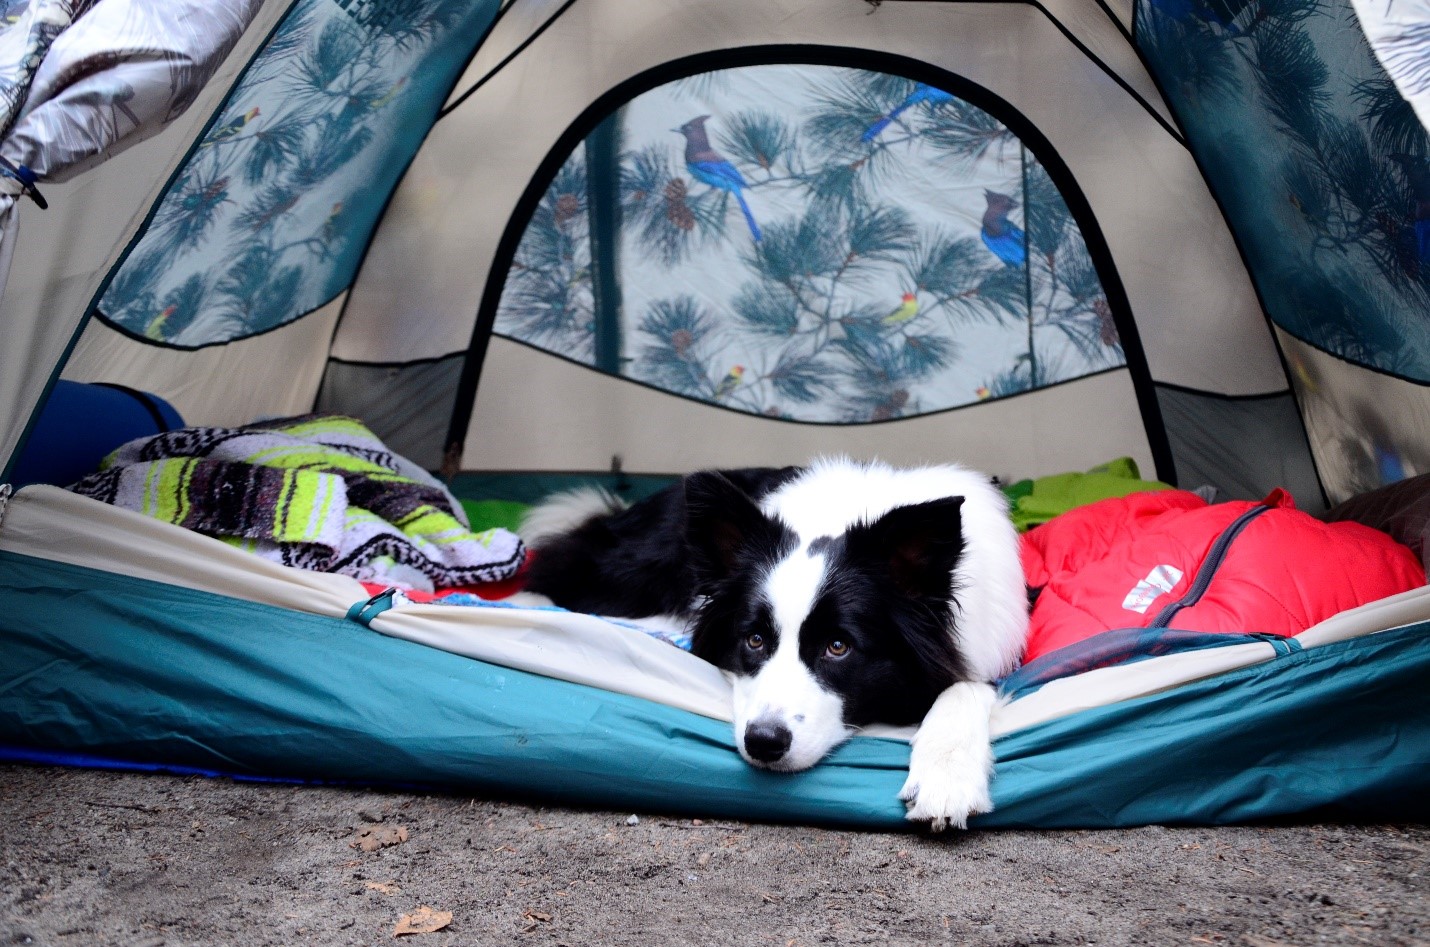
<point x="767" y="741"/>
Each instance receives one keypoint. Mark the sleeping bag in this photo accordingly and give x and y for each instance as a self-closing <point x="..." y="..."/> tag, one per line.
<point x="1170" y="560"/>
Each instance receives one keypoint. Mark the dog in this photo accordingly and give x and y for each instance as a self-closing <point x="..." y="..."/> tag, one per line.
<point x="833" y="596"/>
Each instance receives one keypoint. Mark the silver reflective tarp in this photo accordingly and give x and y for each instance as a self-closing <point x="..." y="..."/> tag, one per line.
<point x="80" y="82"/>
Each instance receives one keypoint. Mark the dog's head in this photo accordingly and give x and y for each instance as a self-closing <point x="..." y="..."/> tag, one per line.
<point x="823" y="634"/>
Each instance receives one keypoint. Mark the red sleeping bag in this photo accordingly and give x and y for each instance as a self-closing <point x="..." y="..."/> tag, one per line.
<point x="1169" y="559"/>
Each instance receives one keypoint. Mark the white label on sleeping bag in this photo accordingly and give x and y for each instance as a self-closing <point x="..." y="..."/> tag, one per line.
<point x="1159" y="581"/>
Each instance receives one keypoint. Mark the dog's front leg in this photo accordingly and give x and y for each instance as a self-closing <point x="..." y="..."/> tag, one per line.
<point x="952" y="759"/>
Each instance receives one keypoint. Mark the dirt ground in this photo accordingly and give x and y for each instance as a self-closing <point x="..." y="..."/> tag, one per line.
<point x="99" y="858"/>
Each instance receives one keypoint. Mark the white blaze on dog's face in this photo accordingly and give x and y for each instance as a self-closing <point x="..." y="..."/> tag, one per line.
<point x="824" y="634"/>
<point x="785" y="717"/>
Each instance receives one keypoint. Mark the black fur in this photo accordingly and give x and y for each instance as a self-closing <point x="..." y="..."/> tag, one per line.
<point x="886" y="597"/>
<point x="636" y="562"/>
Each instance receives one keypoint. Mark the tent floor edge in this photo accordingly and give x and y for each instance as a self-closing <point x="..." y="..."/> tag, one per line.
<point x="116" y="675"/>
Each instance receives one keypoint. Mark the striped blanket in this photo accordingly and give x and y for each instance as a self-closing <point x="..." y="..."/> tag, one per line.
<point x="318" y="492"/>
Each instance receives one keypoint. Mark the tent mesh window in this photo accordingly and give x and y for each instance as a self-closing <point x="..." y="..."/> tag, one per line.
<point x="813" y="243"/>
<point x="1322" y="168"/>
<point x="268" y="217"/>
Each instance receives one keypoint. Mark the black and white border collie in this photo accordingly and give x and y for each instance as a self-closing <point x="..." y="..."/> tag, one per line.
<point x="833" y="596"/>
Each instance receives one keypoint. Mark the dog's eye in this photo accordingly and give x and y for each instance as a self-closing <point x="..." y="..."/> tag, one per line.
<point x="836" y="649"/>
<point x="755" y="642"/>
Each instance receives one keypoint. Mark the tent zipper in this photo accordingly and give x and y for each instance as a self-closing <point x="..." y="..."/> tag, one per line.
<point x="1209" y="567"/>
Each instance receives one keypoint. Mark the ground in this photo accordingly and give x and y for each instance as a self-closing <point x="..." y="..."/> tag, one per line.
<point x="98" y="858"/>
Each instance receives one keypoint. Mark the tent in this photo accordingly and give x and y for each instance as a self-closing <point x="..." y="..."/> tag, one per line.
<point x="612" y="240"/>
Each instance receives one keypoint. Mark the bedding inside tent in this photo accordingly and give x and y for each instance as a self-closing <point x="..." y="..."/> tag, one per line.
<point x="531" y="245"/>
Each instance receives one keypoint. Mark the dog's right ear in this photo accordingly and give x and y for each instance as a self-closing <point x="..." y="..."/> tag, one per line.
<point x="722" y="524"/>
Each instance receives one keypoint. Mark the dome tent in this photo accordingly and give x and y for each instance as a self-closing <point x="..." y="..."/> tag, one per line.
<point x="484" y="232"/>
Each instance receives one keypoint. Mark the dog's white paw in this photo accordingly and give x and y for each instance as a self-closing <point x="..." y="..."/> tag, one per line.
<point x="951" y="761"/>
<point x="946" y="795"/>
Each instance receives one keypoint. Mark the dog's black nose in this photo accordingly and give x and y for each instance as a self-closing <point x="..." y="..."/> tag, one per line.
<point x="766" y="740"/>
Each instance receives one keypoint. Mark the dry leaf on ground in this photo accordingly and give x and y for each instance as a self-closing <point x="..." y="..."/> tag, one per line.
<point x="424" y="920"/>
<point x="379" y="836"/>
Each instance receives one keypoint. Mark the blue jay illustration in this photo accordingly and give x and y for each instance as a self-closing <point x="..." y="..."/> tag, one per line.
<point x="707" y="166"/>
<point x="921" y="93"/>
<point x="1000" y="234"/>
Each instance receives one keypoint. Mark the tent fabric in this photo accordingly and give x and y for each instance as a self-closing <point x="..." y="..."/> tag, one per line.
<point x="67" y="250"/>
<point x="1399" y="33"/>
<point x="352" y="186"/>
<point x="585" y="417"/>
<point x="904" y="291"/>
<point x="1239" y="445"/>
<point x="411" y="403"/>
<point x="442" y="190"/>
<point x="1367" y="428"/>
<point x="280" y="377"/>
<point x="292" y="175"/>
<point x="57" y="526"/>
<point x="312" y="697"/>
<point x="1283" y="100"/>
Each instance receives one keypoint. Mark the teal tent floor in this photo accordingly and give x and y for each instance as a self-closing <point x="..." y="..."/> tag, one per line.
<point x="136" y="672"/>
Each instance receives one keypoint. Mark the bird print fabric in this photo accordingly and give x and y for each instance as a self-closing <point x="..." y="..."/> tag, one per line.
<point x="706" y="165"/>
<point x="922" y="94"/>
<point x="873" y="271"/>
<point x="1001" y="235"/>
<point x="269" y="215"/>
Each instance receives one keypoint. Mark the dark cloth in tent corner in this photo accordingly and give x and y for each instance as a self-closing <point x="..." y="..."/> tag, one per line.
<point x="1400" y="510"/>
<point x="1169" y="562"/>
<point x="317" y="492"/>
<point x="82" y="423"/>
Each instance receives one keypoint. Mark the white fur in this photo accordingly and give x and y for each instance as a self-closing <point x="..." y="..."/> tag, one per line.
<point x="784" y="690"/>
<point x="834" y="494"/>
<point x="563" y="512"/>
<point x="952" y="758"/>
<point x="791" y="588"/>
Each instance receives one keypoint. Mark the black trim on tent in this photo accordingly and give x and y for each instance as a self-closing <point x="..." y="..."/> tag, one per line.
<point x="1271" y="325"/>
<point x="1086" y="51"/>
<point x="362" y="363"/>
<point x="1373" y="369"/>
<point x="1116" y="20"/>
<point x="627" y="380"/>
<point x="521" y="47"/>
<point x="158" y="344"/>
<point x="1221" y="396"/>
<point x="798" y="54"/>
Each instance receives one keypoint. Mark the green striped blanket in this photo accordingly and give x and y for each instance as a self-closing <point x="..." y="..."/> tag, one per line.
<point x="317" y="492"/>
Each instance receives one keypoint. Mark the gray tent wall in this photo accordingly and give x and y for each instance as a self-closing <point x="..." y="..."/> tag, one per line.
<point x="1208" y="371"/>
<point x="1204" y="396"/>
<point x="1195" y="312"/>
<point x="63" y="254"/>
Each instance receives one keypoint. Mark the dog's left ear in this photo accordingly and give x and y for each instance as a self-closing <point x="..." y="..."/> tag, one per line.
<point x="721" y="523"/>
<point x="919" y="544"/>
